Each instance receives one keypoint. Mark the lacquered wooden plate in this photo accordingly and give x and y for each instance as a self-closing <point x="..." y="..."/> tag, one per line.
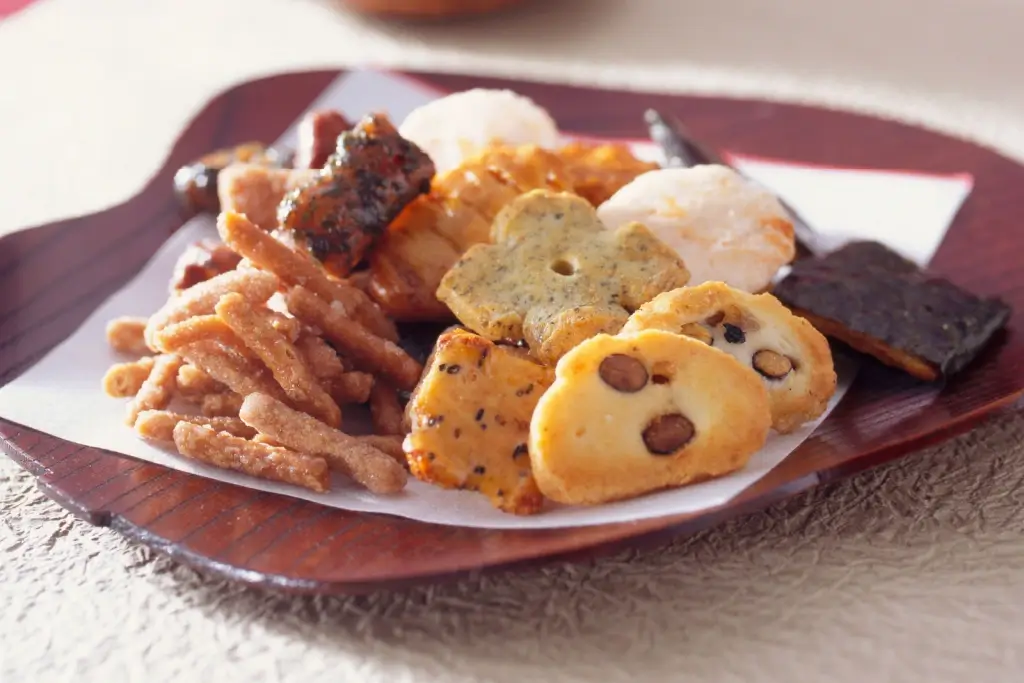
<point x="53" y="276"/>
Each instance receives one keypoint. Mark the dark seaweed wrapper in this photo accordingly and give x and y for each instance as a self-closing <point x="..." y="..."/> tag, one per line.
<point x="874" y="292"/>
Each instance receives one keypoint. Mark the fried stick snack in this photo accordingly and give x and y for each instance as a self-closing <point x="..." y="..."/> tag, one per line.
<point x="295" y="268"/>
<point x="158" y="425"/>
<point x="370" y="351"/>
<point x="201" y="298"/>
<point x="125" y="379"/>
<point x="281" y="357"/>
<point x="225" y="451"/>
<point x="126" y="334"/>
<point x="158" y="389"/>
<point x="365" y="463"/>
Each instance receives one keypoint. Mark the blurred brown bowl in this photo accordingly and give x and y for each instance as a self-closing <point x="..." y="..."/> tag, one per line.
<point x="429" y="8"/>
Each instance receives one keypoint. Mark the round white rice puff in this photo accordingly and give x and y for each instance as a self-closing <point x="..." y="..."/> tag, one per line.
<point x="460" y="126"/>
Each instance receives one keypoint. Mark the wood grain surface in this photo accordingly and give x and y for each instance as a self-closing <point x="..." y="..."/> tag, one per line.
<point x="53" y="276"/>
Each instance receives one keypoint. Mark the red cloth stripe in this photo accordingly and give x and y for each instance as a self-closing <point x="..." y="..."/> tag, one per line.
<point x="8" y="7"/>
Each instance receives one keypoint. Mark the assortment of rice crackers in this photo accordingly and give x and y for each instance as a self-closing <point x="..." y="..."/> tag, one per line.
<point x="612" y="327"/>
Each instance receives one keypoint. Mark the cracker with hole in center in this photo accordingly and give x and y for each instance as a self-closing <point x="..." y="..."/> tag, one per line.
<point x="636" y="413"/>
<point x="792" y="358"/>
<point x="555" y="276"/>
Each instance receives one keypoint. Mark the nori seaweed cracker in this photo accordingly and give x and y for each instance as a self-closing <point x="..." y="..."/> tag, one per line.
<point x="881" y="304"/>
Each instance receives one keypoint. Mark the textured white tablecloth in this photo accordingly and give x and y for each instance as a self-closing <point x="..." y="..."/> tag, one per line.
<point x="911" y="572"/>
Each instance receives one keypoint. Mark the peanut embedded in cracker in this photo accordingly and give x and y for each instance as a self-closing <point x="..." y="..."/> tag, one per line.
<point x="644" y="411"/>
<point x="792" y="358"/>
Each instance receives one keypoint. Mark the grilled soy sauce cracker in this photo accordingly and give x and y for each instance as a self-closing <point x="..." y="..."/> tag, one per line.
<point x="879" y="303"/>
<point x="337" y="216"/>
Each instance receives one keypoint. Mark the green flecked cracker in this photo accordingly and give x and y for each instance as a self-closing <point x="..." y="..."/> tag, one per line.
<point x="556" y="276"/>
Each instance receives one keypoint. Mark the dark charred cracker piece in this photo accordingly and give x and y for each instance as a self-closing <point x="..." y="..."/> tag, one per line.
<point x="195" y="184"/>
<point x="365" y="184"/>
<point x="874" y="300"/>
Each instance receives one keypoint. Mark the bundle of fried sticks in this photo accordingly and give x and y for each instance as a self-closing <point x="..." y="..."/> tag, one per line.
<point x="265" y="357"/>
